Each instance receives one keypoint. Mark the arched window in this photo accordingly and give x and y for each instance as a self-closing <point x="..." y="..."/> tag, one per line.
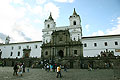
<point x="74" y="39"/>
<point x="85" y="45"/>
<point x="48" y="26"/>
<point x="11" y="54"/>
<point x="18" y="53"/>
<point x="74" y="22"/>
<point x="46" y="53"/>
<point x="75" y="52"/>
<point x="46" y="41"/>
<point x="105" y="43"/>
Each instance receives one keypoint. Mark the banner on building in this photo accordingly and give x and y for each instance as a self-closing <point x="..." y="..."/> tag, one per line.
<point x="117" y="50"/>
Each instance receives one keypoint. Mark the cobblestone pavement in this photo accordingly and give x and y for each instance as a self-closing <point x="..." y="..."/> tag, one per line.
<point x="6" y="73"/>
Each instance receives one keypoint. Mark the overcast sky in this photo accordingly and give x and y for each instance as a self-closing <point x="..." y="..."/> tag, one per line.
<point x="23" y="20"/>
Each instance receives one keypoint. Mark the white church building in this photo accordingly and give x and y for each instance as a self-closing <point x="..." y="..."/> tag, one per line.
<point x="92" y="45"/>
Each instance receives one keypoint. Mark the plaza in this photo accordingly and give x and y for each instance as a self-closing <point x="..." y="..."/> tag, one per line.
<point x="6" y="73"/>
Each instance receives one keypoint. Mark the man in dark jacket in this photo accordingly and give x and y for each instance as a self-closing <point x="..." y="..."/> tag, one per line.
<point x="15" y="68"/>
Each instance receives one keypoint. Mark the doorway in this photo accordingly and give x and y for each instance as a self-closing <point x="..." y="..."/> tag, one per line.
<point x="61" y="54"/>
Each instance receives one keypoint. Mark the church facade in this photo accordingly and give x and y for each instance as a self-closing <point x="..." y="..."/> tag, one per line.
<point x="63" y="42"/>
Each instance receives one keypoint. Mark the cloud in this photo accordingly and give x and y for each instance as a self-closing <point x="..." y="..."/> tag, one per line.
<point x="20" y="22"/>
<point x="118" y="20"/>
<point x="37" y="10"/>
<point x="40" y="1"/>
<point x="44" y="11"/>
<point x="87" y="27"/>
<point x="21" y="2"/>
<point x="2" y="37"/>
<point x="24" y="31"/>
<point x="50" y="7"/>
<point x="70" y="1"/>
<point x="98" y="33"/>
<point x="20" y="33"/>
<point x="112" y="20"/>
<point x="114" y="30"/>
<point x="9" y="15"/>
<point x="38" y="21"/>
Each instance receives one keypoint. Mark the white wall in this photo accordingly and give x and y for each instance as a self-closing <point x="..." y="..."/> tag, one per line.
<point x="7" y="49"/>
<point x="92" y="51"/>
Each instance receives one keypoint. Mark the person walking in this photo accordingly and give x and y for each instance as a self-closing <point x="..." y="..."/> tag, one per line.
<point x="23" y="67"/>
<point x="59" y="71"/>
<point x="65" y="67"/>
<point x="89" y="67"/>
<point x="48" y="67"/>
<point x="20" y="69"/>
<point x="15" y="68"/>
<point x="51" y="67"/>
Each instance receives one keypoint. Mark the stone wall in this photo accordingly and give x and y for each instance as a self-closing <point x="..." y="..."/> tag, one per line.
<point x="11" y="62"/>
<point x="71" y="62"/>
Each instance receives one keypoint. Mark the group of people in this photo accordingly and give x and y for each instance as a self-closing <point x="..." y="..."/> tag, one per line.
<point x="108" y="65"/>
<point x="50" y="67"/>
<point x="19" y="69"/>
<point x="55" y="67"/>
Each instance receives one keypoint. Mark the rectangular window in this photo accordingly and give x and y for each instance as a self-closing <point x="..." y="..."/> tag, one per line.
<point x="19" y="47"/>
<point x="27" y="47"/>
<point x="116" y="43"/>
<point x="18" y="53"/>
<point x="105" y="43"/>
<point x="35" y="46"/>
<point x="60" y="39"/>
<point x="95" y="44"/>
<point x="12" y="47"/>
<point x="85" y="45"/>
<point x="75" y="51"/>
<point x="11" y="54"/>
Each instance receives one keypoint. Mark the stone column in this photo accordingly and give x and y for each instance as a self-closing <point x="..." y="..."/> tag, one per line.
<point x="66" y="51"/>
<point x="53" y="52"/>
<point x="69" y="51"/>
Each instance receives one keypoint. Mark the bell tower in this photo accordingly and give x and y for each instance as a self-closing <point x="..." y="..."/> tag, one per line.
<point x="75" y="28"/>
<point x="7" y="40"/>
<point x="75" y="19"/>
<point x="49" y="25"/>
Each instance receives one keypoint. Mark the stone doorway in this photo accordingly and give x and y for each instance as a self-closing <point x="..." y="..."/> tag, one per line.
<point x="61" y="54"/>
<point x="26" y="53"/>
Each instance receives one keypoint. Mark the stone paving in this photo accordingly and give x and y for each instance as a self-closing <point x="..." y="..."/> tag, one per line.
<point x="6" y="73"/>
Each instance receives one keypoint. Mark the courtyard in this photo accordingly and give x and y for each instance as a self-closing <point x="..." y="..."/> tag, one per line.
<point x="6" y="73"/>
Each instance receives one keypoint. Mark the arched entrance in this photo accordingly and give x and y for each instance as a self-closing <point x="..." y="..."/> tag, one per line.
<point x="60" y="53"/>
<point x="26" y="53"/>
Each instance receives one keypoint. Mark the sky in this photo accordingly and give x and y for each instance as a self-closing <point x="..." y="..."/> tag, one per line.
<point x="23" y="20"/>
